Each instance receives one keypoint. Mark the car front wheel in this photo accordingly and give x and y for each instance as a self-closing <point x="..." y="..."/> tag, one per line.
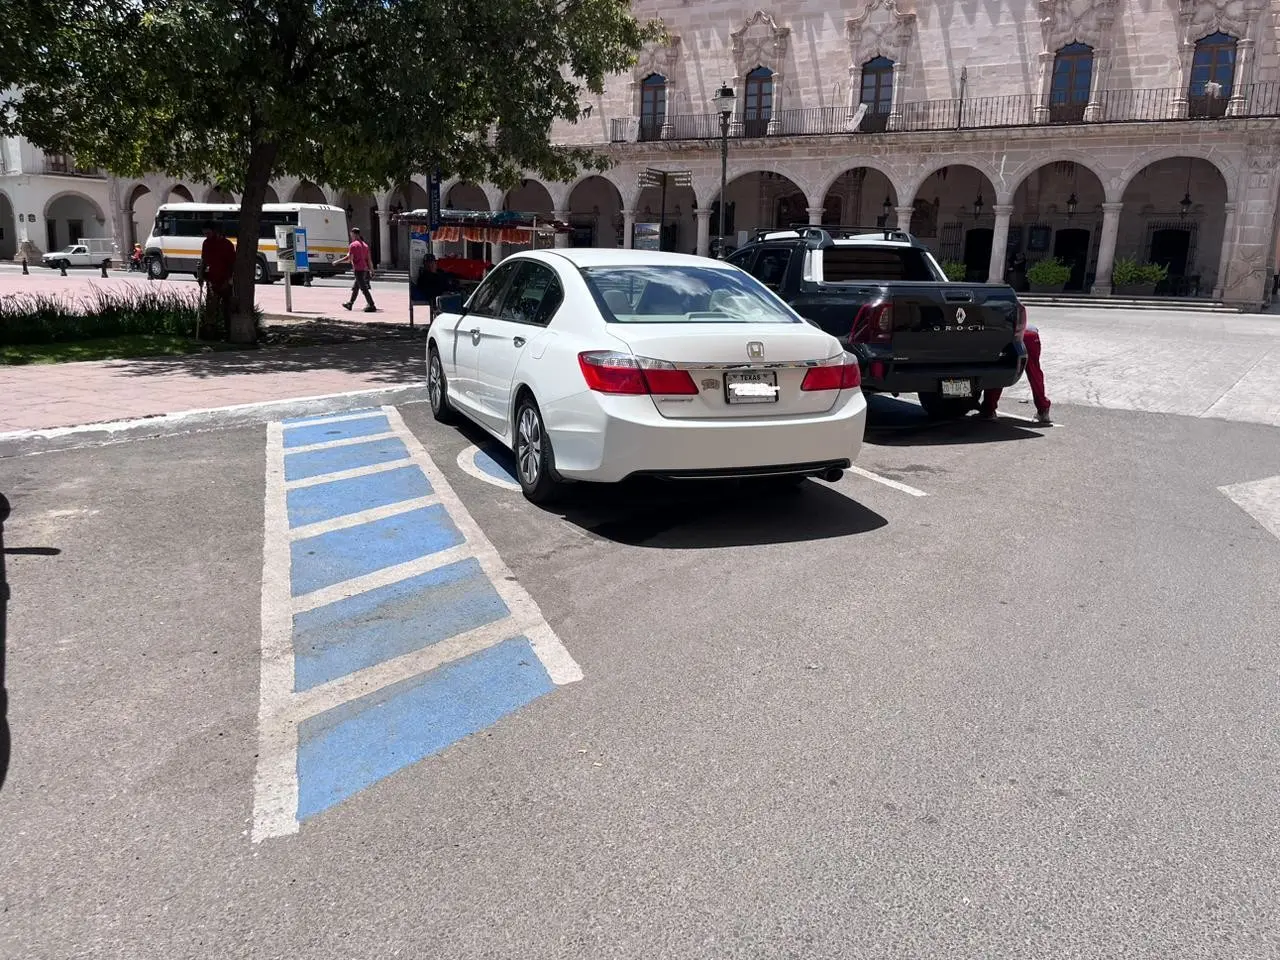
<point x="438" y="389"/>
<point x="535" y="462"/>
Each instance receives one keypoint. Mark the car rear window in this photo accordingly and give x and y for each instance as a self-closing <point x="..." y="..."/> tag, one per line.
<point x="864" y="264"/>
<point x="677" y="294"/>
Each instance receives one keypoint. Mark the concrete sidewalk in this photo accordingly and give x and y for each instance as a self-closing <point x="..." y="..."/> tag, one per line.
<point x="45" y="397"/>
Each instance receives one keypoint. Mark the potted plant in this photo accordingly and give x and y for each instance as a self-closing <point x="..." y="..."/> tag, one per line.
<point x="955" y="270"/>
<point x="1129" y="278"/>
<point x="1049" y="275"/>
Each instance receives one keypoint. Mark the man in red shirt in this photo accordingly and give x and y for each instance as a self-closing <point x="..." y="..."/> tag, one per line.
<point x="218" y="260"/>
<point x="362" y="265"/>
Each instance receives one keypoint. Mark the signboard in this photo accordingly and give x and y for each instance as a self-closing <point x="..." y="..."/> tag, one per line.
<point x="433" y="200"/>
<point x="664" y="178"/>
<point x="419" y="247"/>
<point x="301" y="256"/>
<point x="646" y="236"/>
<point x="285" y="250"/>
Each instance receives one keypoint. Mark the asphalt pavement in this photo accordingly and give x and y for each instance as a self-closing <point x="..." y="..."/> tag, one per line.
<point x="1010" y="692"/>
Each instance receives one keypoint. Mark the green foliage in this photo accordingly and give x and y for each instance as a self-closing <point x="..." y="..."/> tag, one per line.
<point x="955" y="270"/>
<point x="27" y="318"/>
<point x="357" y="94"/>
<point x="104" y="348"/>
<point x="1049" y="272"/>
<point x="1128" y="272"/>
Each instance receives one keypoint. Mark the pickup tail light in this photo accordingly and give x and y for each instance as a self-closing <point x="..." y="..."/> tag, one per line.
<point x="841" y="374"/>
<point x="873" y="323"/>
<point x="609" y="371"/>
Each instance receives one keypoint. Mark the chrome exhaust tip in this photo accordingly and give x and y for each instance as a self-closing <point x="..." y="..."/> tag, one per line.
<point x="832" y="475"/>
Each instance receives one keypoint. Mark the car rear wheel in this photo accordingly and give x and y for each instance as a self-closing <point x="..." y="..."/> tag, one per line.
<point x="438" y="389"/>
<point x="535" y="462"/>
<point x="155" y="268"/>
<point x="260" y="272"/>
<point x="939" y="407"/>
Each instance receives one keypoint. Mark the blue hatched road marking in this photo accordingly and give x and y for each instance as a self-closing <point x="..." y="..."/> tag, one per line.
<point x="391" y="627"/>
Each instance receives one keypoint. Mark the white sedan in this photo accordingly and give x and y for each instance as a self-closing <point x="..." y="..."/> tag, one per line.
<point x="599" y="365"/>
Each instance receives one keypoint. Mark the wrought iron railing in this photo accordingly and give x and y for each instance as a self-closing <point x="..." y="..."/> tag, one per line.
<point x="65" y="165"/>
<point x="972" y="113"/>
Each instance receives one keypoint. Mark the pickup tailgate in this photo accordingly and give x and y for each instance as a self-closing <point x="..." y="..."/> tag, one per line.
<point x="952" y="322"/>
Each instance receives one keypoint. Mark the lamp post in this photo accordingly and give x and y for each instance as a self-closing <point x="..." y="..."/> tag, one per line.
<point x="724" y="101"/>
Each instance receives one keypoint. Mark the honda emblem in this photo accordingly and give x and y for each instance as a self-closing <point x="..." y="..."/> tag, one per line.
<point x="755" y="350"/>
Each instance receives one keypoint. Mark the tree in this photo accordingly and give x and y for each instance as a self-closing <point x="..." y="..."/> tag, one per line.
<point x="357" y="94"/>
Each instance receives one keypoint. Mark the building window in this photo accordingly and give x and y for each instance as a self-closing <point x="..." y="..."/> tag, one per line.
<point x="758" y="105"/>
<point x="1072" y="79"/>
<point x="1213" y="71"/>
<point x="877" y="94"/>
<point x="653" y="106"/>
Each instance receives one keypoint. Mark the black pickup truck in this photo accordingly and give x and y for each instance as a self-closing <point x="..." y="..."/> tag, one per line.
<point x="882" y="294"/>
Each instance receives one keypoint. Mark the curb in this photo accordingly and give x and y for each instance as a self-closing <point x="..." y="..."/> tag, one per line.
<point x="26" y="442"/>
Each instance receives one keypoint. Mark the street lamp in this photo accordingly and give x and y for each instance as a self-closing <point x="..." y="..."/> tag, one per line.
<point x="977" y="206"/>
<point x="1072" y="203"/>
<point x="724" y="101"/>
<point x="1185" y="206"/>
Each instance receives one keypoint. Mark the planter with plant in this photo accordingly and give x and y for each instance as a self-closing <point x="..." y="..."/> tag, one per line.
<point x="1129" y="278"/>
<point x="955" y="270"/>
<point x="1049" y="275"/>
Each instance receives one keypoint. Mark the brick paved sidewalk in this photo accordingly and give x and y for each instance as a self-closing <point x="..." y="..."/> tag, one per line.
<point x="46" y="396"/>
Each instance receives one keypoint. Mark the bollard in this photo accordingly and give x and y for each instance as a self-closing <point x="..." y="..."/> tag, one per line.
<point x="62" y="267"/>
<point x="25" y="272"/>
<point x="104" y="270"/>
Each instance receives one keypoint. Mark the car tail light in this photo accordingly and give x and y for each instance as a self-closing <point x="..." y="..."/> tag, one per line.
<point x="608" y="371"/>
<point x="842" y="374"/>
<point x="873" y="324"/>
<point x="1022" y="320"/>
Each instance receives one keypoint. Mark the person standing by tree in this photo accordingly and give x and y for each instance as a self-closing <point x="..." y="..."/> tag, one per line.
<point x="217" y="260"/>
<point x="362" y="265"/>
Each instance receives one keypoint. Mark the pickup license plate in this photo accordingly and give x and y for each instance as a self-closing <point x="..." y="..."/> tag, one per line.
<point x="957" y="388"/>
<point x="751" y="387"/>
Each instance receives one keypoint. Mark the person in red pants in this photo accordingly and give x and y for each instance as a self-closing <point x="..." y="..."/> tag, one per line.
<point x="1035" y="380"/>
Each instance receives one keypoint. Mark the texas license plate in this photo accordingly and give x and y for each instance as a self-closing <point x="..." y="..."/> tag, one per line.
<point x="751" y="387"/>
<point x="957" y="388"/>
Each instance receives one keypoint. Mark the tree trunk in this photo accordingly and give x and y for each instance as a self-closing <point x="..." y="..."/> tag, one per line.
<point x="262" y="158"/>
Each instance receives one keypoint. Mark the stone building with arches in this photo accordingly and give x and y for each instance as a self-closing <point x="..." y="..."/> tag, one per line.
<point x="1089" y="130"/>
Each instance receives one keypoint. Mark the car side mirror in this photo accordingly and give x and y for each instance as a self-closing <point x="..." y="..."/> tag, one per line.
<point x="450" y="303"/>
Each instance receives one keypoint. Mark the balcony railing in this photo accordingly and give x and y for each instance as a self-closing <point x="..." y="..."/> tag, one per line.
<point x="65" y="165"/>
<point x="973" y="113"/>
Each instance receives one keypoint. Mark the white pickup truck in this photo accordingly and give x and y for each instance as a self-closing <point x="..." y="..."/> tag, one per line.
<point x="86" y="253"/>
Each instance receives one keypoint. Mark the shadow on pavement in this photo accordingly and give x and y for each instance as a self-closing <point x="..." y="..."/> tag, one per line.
<point x="900" y="423"/>
<point x="396" y="361"/>
<point x="5" y="738"/>
<point x="707" y="514"/>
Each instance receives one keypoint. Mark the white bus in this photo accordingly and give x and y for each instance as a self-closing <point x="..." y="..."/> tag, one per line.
<point x="176" y="237"/>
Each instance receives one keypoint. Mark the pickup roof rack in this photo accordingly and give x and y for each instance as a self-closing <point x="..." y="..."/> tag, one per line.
<point x="820" y="238"/>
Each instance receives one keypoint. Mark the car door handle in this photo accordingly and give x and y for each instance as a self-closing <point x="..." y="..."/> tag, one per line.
<point x="518" y="341"/>
<point x="475" y="336"/>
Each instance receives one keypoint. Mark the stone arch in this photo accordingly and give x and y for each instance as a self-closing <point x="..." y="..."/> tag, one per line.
<point x="1176" y="212"/>
<point x="464" y="195"/>
<point x="1120" y="185"/>
<point x="999" y="186"/>
<point x="758" y="197"/>
<point x="947" y="198"/>
<point x="88" y="200"/>
<point x="69" y="215"/>
<point x="307" y="192"/>
<point x="594" y="203"/>
<point x="708" y="185"/>
<point x="179" y="193"/>
<point x="140" y="204"/>
<point x="856" y="196"/>
<point x="1063" y="200"/>
<point x="531" y="196"/>
<point x="216" y="194"/>
<point x="818" y="197"/>
<point x="8" y="228"/>
<point x="1018" y="177"/>
<point x="271" y="196"/>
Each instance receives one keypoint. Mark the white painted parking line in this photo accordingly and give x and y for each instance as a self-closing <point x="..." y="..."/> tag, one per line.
<point x="364" y="516"/>
<point x="341" y="442"/>
<point x="1260" y="499"/>
<point x="333" y="418"/>
<point x="467" y="464"/>
<point x="275" y="794"/>
<point x="347" y="474"/>
<point x="560" y="666"/>
<point x="353" y="685"/>
<point x="894" y="484"/>
<point x="379" y="578"/>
